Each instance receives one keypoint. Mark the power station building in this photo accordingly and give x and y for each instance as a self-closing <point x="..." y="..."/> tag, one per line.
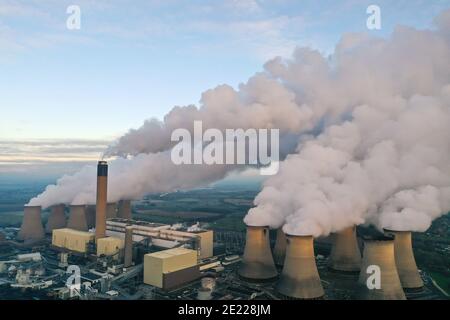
<point x="171" y="268"/>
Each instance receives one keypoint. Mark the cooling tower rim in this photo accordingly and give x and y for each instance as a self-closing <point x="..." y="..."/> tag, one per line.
<point x="30" y="206"/>
<point x="299" y="235"/>
<point x="397" y="231"/>
<point x="257" y="227"/>
<point x="77" y="205"/>
<point x="380" y="238"/>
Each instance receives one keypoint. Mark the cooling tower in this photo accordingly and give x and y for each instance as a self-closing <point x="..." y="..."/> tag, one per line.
<point x="404" y="259"/>
<point x="102" y="190"/>
<point x="32" y="228"/>
<point x="279" y="251"/>
<point x="124" y="209"/>
<point x="90" y="216"/>
<point x="300" y="278"/>
<point x="111" y="211"/>
<point x="77" y="218"/>
<point x="257" y="262"/>
<point x="56" y="219"/>
<point x="345" y="254"/>
<point x="128" y="255"/>
<point x="379" y="253"/>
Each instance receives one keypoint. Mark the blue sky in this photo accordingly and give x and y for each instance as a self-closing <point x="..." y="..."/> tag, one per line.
<point x="64" y="94"/>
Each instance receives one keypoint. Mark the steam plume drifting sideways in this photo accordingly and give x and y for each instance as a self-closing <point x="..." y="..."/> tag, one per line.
<point x="371" y="125"/>
<point x="388" y="162"/>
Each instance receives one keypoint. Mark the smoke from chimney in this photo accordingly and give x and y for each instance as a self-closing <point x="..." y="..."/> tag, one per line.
<point x="257" y="262"/>
<point x="360" y="118"/>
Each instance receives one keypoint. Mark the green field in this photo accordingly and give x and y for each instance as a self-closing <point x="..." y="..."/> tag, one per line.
<point x="442" y="281"/>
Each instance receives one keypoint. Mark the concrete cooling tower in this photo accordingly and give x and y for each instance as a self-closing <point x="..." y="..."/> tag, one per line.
<point x="257" y="262"/>
<point x="77" y="218"/>
<point x="56" y="219"/>
<point x="32" y="228"/>
<point x="379" y="253"/>
<point x="279" y="250"/>
<point x="102" y="191"/>
<point x="345" y="255"/>
<point x="90" y="216"/>
<point x="111" y="210"/>
<point x="300" y="278"/>
<point x="124" y="210"/>
<point x="404" y="259"/>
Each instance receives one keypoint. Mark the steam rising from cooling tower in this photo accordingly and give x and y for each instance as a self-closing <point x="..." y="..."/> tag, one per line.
<point x="56" y="219"/>
<point x="370" y="132"/>
<point x="257" y="262"/>
<point x="32" y="228"/>
<point x="77" y="218"/>
<point x="300" y="278"/>
<point x="345" y="254"/>
<point x="380" y="253"/>
<point x="404" y="260"/>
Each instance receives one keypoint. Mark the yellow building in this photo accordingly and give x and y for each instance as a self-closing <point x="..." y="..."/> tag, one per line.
<point x="109" y="246"/>
<point x="159" y="264"/>
<point x="71" y="239"/>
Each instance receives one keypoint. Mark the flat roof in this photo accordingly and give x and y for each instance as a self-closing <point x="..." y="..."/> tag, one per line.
<point x="171" y="252"/>
<point x="74" y="232"/>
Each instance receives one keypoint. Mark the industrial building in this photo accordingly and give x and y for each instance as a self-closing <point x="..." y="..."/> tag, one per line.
<point x="124" y="258"/>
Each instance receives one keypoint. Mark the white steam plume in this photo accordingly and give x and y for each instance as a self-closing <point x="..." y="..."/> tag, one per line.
<point x="367" y="98"/>
<point x="389" y="162"/>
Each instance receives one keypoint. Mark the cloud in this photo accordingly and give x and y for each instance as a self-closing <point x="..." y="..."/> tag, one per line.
<point x="27" y="153"/>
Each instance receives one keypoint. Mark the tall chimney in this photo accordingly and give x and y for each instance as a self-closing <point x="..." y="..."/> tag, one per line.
<point x="102" y="191"/>
<point x="56" y="219"/>
<point x="111" y="211"/>
<point x="128" y="255"/>
<point x="379" y="253"/>
<point x="345" y="254"/>
<point x="77" y="218"/>
<point x="90" y="216"/>
<point x="32" y="228"/>
<point x="257" y="263"/>
<point x="404" y="259"/>
<point x="300" y="278"/>
<point x="124" y="209"/>
<point x="279" y="250"/>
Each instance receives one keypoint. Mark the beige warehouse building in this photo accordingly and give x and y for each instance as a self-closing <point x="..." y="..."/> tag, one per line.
<point x="170" y="268"/>
<point x="71" y="239"/>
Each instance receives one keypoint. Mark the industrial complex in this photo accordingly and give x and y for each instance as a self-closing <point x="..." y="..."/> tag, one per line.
<point x="101" y="252"/>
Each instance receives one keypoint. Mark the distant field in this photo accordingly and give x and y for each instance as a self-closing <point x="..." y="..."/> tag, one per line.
<point x="179" y="214"/>
<point x="11" y="219"/>
<point x="442" y="281"/>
